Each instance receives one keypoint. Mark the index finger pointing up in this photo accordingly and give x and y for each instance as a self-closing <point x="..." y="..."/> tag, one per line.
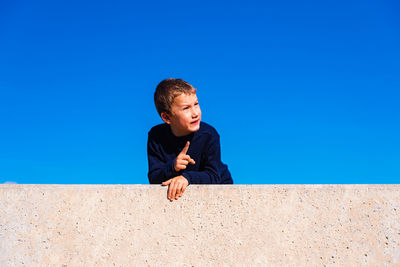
<point x="185" y="149"/>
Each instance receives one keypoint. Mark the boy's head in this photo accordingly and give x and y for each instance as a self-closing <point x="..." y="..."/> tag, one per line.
<point x="177" y="104"/>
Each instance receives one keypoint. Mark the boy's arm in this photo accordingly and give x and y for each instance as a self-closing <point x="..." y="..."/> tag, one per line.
<point x="212" y="168"/>
<point x="159" y="170"/>
<point x="178" y="184"/>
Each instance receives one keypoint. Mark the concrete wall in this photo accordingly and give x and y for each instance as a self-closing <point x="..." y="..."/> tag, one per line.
<point x="222" y="225"/>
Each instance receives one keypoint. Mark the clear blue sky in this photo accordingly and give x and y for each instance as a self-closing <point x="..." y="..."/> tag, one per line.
<point x="300" y="91"/>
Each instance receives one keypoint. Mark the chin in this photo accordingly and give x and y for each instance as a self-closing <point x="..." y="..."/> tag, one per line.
<point x="195" y="128"/>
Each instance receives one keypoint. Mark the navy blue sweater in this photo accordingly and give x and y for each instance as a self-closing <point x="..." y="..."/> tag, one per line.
<point x="163" y="147"/>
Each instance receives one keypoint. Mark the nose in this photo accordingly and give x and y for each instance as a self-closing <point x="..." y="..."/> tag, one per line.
<point x="195" y="112"/>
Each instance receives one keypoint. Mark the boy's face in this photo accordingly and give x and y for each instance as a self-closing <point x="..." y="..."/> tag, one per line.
<point x="185" y="115"/>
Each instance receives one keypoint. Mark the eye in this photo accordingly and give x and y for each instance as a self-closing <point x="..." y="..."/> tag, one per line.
<point x="185" y="108"/>
<point x="196" y="104"/>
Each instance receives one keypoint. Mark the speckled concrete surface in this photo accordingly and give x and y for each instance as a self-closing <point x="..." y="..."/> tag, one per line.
<point x="240" y="225"/>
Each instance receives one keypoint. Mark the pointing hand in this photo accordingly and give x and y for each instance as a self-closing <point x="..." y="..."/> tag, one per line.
<point x="182" y="160"/>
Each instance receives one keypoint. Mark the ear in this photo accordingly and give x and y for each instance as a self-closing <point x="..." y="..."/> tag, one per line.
<point x="165" y="117"/>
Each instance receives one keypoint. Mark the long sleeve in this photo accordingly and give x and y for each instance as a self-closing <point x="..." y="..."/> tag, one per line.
<point x="212" y="165"/>
<point x="160" y="170"/>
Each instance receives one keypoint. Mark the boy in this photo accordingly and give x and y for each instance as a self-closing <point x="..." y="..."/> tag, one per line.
<point x="183" y="150"/>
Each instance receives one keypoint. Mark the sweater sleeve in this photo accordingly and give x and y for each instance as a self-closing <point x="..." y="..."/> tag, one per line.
<point x="160" y="170"/>
<point x="212" y="167"/>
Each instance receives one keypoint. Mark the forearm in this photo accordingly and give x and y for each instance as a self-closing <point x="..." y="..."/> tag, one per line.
<point x="160" y="172"/>
<point x="202" y="177"/>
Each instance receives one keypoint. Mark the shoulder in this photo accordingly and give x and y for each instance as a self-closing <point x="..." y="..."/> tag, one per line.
<point x="207" y="129"/>
<point x="163" y="127"/>
<point x="159" y="130"/>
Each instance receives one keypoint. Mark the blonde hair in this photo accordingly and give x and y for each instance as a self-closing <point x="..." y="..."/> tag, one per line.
<point x="167" y="90"/>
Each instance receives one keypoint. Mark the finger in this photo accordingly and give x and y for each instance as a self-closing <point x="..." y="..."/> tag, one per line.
<point x="185" y="149"/>
<point x="167" y="182"/>
<point x="179" y="195"/>
<point x="185" y="157"/>
<point x="188" y="158"/>
<point x="182" y="167"/>
<point x="178" y="190"/>
<point x="172" y="189"/>
<point x="183" y="189"/>
<point x="183" y="162"/>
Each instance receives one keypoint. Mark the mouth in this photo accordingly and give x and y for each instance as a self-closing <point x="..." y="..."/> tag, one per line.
<point x="195" y="122"/>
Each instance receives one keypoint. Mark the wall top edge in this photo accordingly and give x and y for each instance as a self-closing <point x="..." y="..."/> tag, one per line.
<point x="239" y="186"/>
